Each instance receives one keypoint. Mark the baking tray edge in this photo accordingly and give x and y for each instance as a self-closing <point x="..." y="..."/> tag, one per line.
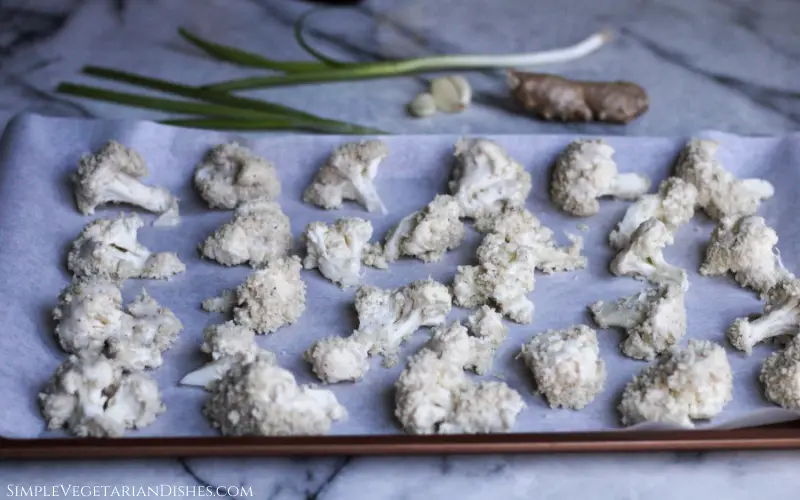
<point x="773" y="437"/>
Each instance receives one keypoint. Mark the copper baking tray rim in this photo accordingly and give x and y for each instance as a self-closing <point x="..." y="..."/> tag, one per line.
<point x="781" y="436"/>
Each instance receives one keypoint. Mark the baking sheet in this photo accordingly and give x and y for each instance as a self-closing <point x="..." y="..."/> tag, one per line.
<point x="38" y="220"/>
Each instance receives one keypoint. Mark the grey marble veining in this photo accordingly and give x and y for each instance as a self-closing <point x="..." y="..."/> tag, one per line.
<point x="731" y="65"/>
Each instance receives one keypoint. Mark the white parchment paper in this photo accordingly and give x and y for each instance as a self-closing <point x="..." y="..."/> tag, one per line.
<point x="38" y="221"/>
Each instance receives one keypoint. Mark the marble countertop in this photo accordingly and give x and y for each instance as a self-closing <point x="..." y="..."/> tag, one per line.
<point x="731" y="65"/>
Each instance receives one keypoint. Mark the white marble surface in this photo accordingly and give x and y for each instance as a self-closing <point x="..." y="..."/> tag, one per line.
<point x="732" y="65"/>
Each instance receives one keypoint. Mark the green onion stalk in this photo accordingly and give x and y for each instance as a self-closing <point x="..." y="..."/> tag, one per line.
<point x="213" y="106"/>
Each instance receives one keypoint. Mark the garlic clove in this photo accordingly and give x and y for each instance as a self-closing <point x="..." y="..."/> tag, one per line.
<point x="422" y="105"/>
<point x="452" y="94"/>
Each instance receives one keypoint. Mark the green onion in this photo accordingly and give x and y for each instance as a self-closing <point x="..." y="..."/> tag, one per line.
<point x="363" y="71"/>
<point x="197" y="93"/>
<point x="244" y="58"/>
<point x="298" y="36"/>
<point x="147" y="102"/>
<point x="228" y="124"/>
<point x="218" y="109"/>
<point x="262" y="118"/>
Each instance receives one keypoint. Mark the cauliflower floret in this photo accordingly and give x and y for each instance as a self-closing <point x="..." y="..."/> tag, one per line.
<point x="109" y="249"/>
<point x="337" y="359"/>
<point x="745" y="247"/>
<point x="89" y="312"/>
<point x="426" y="234"/>
<point x="468" y="351"/>
<point x="781" y="317"/>
<point x="566" y="366"/>
<point x="433" y="395"/>
<point x="504" y="276"/>
<point x="271" y="297"/>
<point x="222" y="304"/>
<point x="519" y="225"/>
<point x="225" y="343"/>
<point x="719" y="193"/>
<point x="673" y="205"/>
<point x="386" y="319"/>
<point x="654" y="319"/>
<point x="91" y="321"/>
<point x="337" y="249"/>
<point x="348" y="175"/>
<point x="485" y="177"/>
<point x="231" y="174"/>
<point x="151" y="330"/>
<point x="112" y="176"/>
<point x="780" y="376"/>
<point x="642" y="257"/>
<point x="487" y="323"/>
<point x="682" y="385"/>
<point x="94" y="397"/>
<point x="258" y="233"/>
<point x="259" y="398"/>
<point x="585" y="172"/>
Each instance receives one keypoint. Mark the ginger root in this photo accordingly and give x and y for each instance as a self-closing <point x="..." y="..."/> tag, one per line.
<point x="552" y="97"/>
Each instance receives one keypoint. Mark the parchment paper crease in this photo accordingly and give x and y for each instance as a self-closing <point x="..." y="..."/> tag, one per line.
<point x="38" y="220"/>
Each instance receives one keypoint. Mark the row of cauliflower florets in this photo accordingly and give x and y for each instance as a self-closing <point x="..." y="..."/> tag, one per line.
<point x="250" y="394"/>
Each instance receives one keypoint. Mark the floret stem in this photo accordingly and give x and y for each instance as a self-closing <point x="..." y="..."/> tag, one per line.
<point x="368" y="196"/>
<point x="137" y="256"/>
<point x="625" y="313"/>
<point x="758" y="187"/>
<point x="628" y="186"/>
<point x="773" y="324"/>
<point x="667" y="273"/>
<point x="126" y="189"/>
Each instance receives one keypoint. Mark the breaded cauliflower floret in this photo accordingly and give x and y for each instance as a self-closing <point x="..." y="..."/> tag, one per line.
<point x="337" y="249"/>
<point x="472" y="352"/>
<point x="781" y="317"/>
<point x="271" y="297"/>
<point x="231" y="174"/>
<point x="386" y="319"/>
<point x="655" y="320"/>
<point x="486" y="178"/>
<point x="258" y="233"/>
<point x="694" y="383"/>
<point x="89" y="312"/>
<point x="673" y="205"/>
<point x="112" y="176"/>
<point x="91" y="321"/>
<point x="503" y="278"/>
<point x="585" y="172"/>
<point x="93" y="397"/>
<point x="259" y="398"/>
<point x="337" y="359"/>
<point x="225" y="343"/>
<point x="643" y="258"/>
<point x="487" y="323"/>
<point x="780" y="376"/>
<point x="566" y="366"/>
<point x="108" y="248"/>
<point x="151" y="330"/>
<point x="426" y="234"/>
<point x="433" y="395"/>
<point x="745" y="247"/>
<point x="224" y="303"/>
<point x="349" y="174"/>
<point x="520" y="226"/>
<point x="719" y="193"/>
